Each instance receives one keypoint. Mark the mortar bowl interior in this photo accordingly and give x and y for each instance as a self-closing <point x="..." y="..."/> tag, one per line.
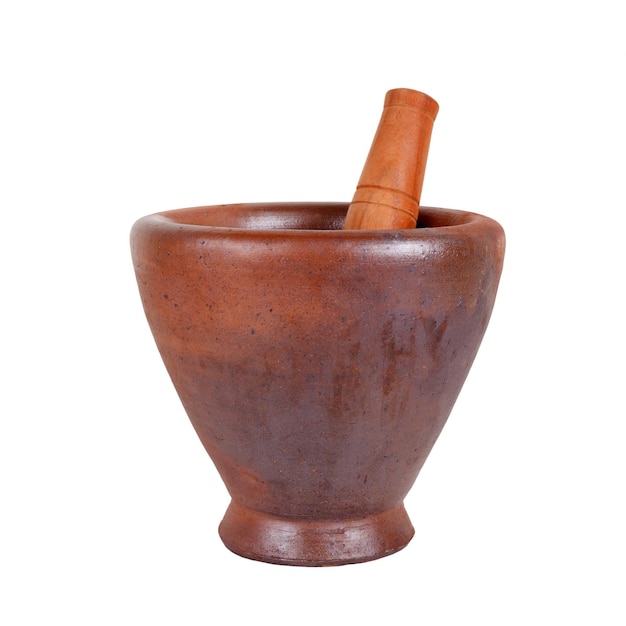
<point x="325" y="216"/>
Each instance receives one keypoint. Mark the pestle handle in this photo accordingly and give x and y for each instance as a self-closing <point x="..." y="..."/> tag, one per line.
<point x="388" y="193"/>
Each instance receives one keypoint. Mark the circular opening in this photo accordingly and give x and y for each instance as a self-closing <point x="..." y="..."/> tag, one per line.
<point x="327" y="216"/>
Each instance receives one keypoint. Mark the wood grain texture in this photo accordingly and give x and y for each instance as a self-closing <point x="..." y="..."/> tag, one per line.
<point x="389" y="190"/>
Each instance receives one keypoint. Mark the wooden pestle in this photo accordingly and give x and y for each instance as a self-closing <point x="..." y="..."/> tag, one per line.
<point x="389" y="190"/>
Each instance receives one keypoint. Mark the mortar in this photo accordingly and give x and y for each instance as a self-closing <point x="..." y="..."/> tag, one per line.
<point x="317" y="365"/>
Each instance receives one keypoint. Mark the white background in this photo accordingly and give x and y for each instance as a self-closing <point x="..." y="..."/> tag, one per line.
<point x="113" y="110"/>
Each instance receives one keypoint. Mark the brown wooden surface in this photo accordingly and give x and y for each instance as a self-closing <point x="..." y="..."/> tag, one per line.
<point x="389" y="190"/>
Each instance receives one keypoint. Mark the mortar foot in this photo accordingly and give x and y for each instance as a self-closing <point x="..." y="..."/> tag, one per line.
<point x="292" y="541"/>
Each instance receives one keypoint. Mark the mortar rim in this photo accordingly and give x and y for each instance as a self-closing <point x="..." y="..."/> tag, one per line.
<point x="458" y="222"/>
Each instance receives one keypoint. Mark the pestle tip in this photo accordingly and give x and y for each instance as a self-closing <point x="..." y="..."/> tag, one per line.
<point x="411" y="98"/>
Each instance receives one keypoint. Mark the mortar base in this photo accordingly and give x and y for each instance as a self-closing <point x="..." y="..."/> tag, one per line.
<point x="289" y="541"/>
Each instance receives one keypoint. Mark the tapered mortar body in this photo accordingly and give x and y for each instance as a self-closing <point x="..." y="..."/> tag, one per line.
<point x="317" y="365"/>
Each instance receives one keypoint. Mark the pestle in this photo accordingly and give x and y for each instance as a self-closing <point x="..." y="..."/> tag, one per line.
<point x="388" y="193"/>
